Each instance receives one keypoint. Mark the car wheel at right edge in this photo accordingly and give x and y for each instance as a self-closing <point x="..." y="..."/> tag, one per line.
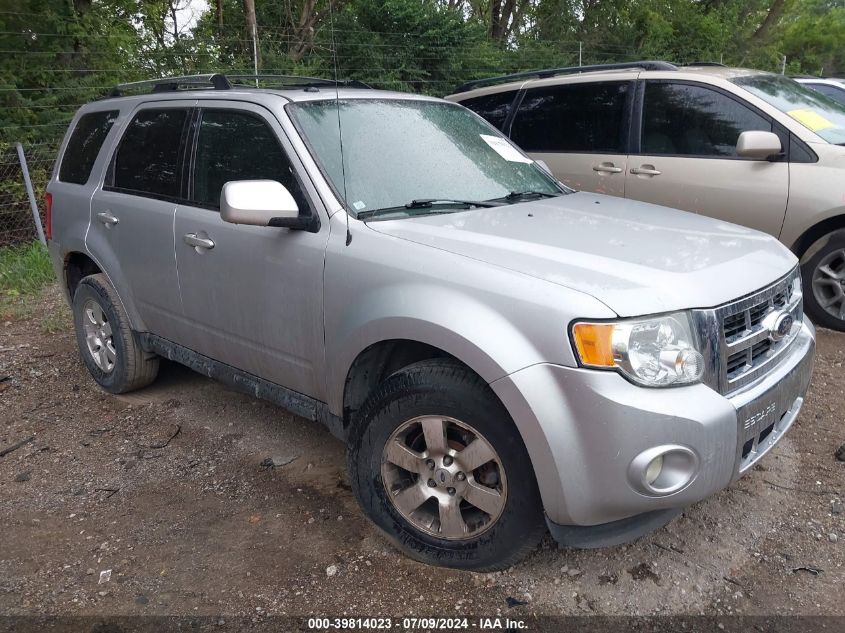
<point x="438" y="465"/>
<point x="823" y="271"/>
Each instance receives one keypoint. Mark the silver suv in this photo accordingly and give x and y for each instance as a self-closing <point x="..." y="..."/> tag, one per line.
<point x="735" y="144"/>
<point x="501" y="355"/>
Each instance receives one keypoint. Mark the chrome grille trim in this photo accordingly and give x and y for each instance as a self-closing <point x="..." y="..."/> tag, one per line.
<point x="734" y="336"/>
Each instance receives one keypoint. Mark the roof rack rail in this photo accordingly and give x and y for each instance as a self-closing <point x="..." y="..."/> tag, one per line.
<point x="219" y="81"/>
<point x="569" y="70"/>
<point x="719" y="64"/>
<point x="168" y="84"/>
<point x="296" y="81"/>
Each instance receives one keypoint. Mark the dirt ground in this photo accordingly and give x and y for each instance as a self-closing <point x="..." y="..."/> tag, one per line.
<point x="168" y="489"/>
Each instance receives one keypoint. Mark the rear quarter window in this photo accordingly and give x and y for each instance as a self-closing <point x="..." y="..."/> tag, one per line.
<point x="84" y="146"/>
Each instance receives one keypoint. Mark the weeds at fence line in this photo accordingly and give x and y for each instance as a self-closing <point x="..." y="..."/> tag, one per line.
<point x="25" y="270"/>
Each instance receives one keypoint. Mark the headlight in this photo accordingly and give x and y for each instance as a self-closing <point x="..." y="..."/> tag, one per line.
<point x="654" y="352"/>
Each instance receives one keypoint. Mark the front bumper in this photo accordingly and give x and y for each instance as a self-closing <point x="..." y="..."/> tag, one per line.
<point x="584" y="428"/>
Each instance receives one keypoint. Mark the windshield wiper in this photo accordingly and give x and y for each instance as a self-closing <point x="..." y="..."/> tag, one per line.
<point x="428" y="203"/>
<point x="522" y="195"/>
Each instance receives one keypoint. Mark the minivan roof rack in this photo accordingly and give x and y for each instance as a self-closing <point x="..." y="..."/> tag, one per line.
<point x="219" y="81"/>
<point x="568" y="70"/>
<point x="719" y="64"/>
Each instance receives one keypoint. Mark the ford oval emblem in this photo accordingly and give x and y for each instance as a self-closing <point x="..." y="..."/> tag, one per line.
<point x="782" y="326"/>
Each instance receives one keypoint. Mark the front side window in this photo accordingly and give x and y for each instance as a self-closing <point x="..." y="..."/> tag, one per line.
<point x="398" y="151"/>
<point x="84" y="145"/>
<point x="494" y="108"/>
<point x="815" y="111"/>
<point x="147" y="160"/>
<point x="234" y="145"/>
<point x="585" y="118"/>
<point x="688" y="120"/>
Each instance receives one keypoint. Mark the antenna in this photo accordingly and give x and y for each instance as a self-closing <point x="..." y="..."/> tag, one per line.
<point x="339" y="127"/>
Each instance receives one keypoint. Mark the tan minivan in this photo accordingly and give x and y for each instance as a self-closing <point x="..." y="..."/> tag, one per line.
<point x="741" y="145"/>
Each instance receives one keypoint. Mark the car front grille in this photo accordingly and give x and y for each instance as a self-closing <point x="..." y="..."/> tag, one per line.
<point x="748" y="342"/>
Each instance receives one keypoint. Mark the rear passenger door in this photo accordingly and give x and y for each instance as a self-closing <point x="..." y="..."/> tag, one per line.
<point x="132" y="215"/>
<point x="580" y="130"/>
<point x="253" y="298"/>
<point x="685" y="157"/>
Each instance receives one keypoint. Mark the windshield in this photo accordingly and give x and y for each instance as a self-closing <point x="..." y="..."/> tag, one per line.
<point x="815" y="111"/>
<point x="401" y="152"/>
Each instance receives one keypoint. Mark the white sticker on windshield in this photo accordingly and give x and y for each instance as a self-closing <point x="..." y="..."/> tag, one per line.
<point x="505" y="149"/>
<point x="358" y="205"/>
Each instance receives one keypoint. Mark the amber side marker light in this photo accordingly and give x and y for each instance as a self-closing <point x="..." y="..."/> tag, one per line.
<point x="594" y="342"/>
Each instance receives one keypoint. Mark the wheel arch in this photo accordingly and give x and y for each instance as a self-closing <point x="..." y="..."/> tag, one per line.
<point x="78" y="265"/>
<point x="814" y="237"/>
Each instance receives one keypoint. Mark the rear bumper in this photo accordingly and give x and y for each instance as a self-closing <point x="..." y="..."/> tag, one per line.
<point x="587" y="432"/>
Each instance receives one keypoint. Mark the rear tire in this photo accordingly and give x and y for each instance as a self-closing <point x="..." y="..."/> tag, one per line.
<point x="823" y="276"/>
<point x="402" y="422"/>
<point x="109" y="348"/>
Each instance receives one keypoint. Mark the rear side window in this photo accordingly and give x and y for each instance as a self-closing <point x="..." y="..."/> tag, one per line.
<point x="585" y="118"/>
<point x="147" y="160"/>
<point x="495" y="108"/>
<point x="688" y="120"/>
<point x="235" y="145"/>
<point x="84" y="145"/>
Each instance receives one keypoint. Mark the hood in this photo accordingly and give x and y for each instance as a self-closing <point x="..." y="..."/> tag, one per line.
<point x="636" y="258"/>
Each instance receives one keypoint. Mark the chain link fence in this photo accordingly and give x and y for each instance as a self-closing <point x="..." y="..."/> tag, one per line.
<point x="17" y="223"/>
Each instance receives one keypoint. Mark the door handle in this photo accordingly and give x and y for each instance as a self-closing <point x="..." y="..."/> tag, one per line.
<point x="191" y="239"/>
<point x="646" y="170"/>
<point x="107" y="218"/>
<point x="607" y="168"/>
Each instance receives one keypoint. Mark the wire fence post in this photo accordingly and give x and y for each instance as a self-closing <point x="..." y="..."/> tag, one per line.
<point x="36" y="217"/>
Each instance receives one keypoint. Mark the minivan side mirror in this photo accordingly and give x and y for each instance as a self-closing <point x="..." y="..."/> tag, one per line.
<point x="262" y="203"/>
<point x="758" y="145"/>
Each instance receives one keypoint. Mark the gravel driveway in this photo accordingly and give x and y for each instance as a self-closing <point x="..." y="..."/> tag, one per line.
<point x="202" y="501"/>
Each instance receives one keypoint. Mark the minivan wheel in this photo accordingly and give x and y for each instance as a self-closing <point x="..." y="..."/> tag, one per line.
<point x="109" y="348"/>
<point x="824" y="283"/>
<point x="438" y="465"/>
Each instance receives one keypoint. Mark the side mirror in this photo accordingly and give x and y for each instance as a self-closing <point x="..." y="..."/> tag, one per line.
<point x="758" y="145"/>
<point x="262" y="203"/>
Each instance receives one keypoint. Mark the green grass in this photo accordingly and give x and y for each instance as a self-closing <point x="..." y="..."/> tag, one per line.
<point x="24" y="270"/>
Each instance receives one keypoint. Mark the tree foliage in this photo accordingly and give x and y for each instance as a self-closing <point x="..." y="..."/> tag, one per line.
<point x="58" y="54"/>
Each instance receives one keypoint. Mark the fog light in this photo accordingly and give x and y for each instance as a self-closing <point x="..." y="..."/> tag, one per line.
<point x="663" y="470"/>
<point x="653" y="470"/>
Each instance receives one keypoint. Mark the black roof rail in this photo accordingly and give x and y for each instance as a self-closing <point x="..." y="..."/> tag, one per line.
<point x="719" y="64"/>
<point x="569" y="70"/>
<point x="169" y="84"/>
<point x="219" y="81"/>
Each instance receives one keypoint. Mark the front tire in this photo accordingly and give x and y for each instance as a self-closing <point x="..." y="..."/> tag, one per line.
<point x="824" y="283"/>
<point x="438" y="465"/>
<point x="109" y="348"/>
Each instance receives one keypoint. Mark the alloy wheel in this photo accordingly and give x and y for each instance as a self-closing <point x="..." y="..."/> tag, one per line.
<point x="98" y="336"/>
<point x="444" y="477"/>
<point x="829" y="283"/>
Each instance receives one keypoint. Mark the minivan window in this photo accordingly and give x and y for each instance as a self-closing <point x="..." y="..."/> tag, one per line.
<point x="584" y="117"/>
<point x="495" y="108"/>
<point x="813" y="110"/>
<point x="834" y="92"/>
<point x="689" y="120"/>
<point x="84" y="145"/>
<point x="234" y="145"/>
<point x="147" y="160"/>
<point x="399" y="151"/>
